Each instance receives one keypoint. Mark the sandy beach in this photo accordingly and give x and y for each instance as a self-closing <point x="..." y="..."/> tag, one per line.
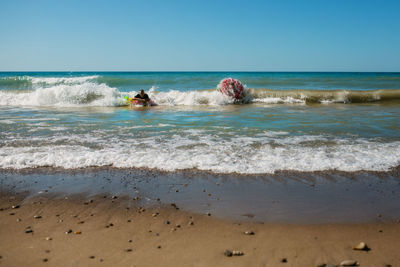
<point x="78" y="232"/>
<point x="47" y="227"/>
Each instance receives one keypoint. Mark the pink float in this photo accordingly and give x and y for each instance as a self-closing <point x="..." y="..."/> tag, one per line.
<point x="232" y="88"/>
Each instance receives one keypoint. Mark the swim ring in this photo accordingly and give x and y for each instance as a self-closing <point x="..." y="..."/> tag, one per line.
<point x="232" y="88"/>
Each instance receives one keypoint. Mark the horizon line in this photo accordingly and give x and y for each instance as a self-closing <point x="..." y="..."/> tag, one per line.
<point x="205" y="71"/>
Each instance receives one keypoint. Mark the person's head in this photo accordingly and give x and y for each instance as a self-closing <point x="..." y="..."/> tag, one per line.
<point x="141" y="92"/>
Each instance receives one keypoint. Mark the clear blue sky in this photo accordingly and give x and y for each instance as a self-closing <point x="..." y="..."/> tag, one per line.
<point x="304" y="35"/>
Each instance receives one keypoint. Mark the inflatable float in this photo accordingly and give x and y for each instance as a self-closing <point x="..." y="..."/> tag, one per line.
<point x="232" y="88"/>
<point x="134" y="102"/>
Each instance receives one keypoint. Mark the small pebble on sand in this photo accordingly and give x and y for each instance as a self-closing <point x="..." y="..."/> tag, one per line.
<point x="49" y="238"/>
<point x="91" y="257"/>
<point x="28" y="231"/>
<point x="128" y="250"/>
<point x="284" y="260"/>
<point x="191" y="223"/>
<point x="349" y="263"/>
<point x="15" y="207"/>
<point x="45" y="260"/>
<point x="249" y="233"/>
<point x="228" y="253"/>
<point x="167" y="222"/>
<point x="68" y="231"/>
<point x="37" y="217"/>
<point x="158" y="246"/>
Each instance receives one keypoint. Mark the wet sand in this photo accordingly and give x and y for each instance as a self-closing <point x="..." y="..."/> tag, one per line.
<point x="125" y="218"/>
<point x="286" y="197"/>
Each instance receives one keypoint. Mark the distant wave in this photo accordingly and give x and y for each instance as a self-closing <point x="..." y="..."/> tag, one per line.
<point x="28" y="82"/>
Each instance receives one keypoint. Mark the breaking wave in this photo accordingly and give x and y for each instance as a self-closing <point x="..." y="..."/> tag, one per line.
<point x="245" y="155"/>
<point x="87" y="91"/>
<point x="85" y="94"/>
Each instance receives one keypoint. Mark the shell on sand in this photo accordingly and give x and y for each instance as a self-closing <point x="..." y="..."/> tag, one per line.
<point x="360" y="246"/>
<point x="237" y="253"/>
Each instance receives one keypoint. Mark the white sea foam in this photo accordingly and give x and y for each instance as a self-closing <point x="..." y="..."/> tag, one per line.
<point x="279" y="100"/>
<point x="203" y="151"/>
<point x="61" y="80"/>
<point x="7" y="121"/>
<point x="191" y="98"/>
<point x="92" y="94"/>
<point x="84" y="94"/>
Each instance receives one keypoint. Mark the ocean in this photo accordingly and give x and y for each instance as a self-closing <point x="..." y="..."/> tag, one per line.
<point x="290" y="121"/>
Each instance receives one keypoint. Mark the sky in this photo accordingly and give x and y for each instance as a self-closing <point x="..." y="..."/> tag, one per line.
<point x="206" y="35"/>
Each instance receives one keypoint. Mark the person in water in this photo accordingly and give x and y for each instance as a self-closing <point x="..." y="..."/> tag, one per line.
<point x="142" y="97"/>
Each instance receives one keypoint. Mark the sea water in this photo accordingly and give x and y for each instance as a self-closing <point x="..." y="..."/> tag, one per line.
<point x="288" y="121"/>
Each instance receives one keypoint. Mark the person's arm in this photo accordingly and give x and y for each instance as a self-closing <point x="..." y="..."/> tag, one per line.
<point x="138" y="98"/>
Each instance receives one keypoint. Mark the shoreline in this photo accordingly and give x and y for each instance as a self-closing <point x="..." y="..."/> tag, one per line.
<point x="284" y="197"/>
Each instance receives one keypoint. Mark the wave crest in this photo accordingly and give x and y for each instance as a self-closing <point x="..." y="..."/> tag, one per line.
<point x="85" y="94"/>
<point x="82" y="91"/>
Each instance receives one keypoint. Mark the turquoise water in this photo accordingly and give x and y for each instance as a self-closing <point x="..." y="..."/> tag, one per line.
<point x="185" y="81"/>
<point x="290" y="121"/>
